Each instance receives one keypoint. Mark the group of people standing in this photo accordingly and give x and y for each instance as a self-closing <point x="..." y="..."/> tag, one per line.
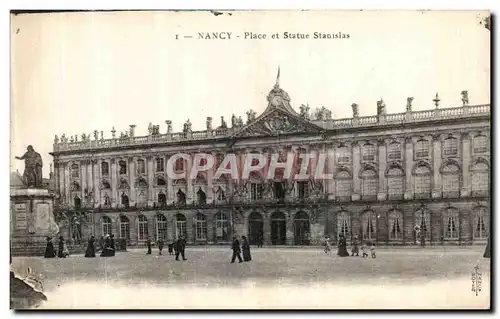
<point x="237" y="250"/>
<point x="342" y="247"/>
<point x="62" y="249"/>
<point x="178" y="246"/>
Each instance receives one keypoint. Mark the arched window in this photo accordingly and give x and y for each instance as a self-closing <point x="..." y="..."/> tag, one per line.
<point x="160" y="164"/>
<point x="180" y="226"/>
<point x="343" y="155"/>
<point x="369" y="225"/>
<point x="450" y="146"/>
<point x="480" y="144"/>
<point x="423" y="221"/>
<point x="201" y="227"/>
<point x="480" y="179"/>
<point x="422" y="149"/>
<point x="201" y="196"/>
<point x="104" y="169"/>
<point x="422" y="177"/>
<point x="106" y="226"/>
<point x="160" y="181"/>
<point x="142" y="227"/>
<point x="181" y="197"/>
<point x="343" y="185"/>
<point x="141" y="167"/>
<point x="395" y="225"/>
<point x="394" y="151"/>
<point x="450" y="223"/>
<point x="480" y="226"/>
<point x="161" y="227"/>
<point x="369" y="182"/>
<point x="344" y="224"/>
<point x="123" y="167"/>
<point x="77" y="202"/>
<point x="369" y="152"/>
<point x="221" y="227"/>
<point x="395" y="178"/>
<point x="162" y="199"/>
<point x="124" y="228"/>
<point x="75" y="170"/>
<point x="125" y="201"/>
<point x="451" y="181"/>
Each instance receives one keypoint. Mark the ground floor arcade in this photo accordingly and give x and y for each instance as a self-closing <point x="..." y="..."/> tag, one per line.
<point x="455" y="223"/>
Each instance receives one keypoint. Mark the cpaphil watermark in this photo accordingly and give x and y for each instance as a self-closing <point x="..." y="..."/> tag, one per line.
<point x="476" y="280"/>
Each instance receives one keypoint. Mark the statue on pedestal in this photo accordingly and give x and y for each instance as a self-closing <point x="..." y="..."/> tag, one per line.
<point x="32" y="168"/>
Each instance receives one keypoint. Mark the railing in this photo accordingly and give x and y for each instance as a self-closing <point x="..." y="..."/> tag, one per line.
<point x="408" y="117"/>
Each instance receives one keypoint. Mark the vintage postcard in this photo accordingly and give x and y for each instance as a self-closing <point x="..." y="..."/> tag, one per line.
<point x="250" y="160"/>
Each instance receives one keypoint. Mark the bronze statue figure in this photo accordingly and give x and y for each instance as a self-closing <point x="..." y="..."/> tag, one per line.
<point x="32" y="168"/>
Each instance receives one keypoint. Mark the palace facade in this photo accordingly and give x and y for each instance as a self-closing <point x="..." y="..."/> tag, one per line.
<point x="391" y="172"/>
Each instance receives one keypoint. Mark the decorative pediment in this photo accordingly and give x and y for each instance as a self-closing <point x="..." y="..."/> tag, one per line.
<point x="277" y="122"/>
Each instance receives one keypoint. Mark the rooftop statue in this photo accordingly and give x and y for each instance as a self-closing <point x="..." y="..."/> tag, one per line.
<point x="33" y="164"/>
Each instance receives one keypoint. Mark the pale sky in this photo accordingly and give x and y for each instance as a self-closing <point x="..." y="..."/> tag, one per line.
<point x="76" y="72"/>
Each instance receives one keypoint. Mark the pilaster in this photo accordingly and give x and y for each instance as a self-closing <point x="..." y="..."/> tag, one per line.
<point x="408" y="194"/>
<point x="382" y="164"/>
<point x="132" y="178"/>
<point x="96" y="179"/>
<point x="466" y="161"/>
<point x="437" y="160"/>
<point x="66" y="183"/>
<point x="266" y="228"/>
<point x="114" y="183"/>
<point x="356" y="167"/>
<point x="150" y="180"/>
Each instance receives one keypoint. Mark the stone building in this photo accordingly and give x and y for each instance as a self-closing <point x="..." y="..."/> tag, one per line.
<point x="391" y="172"/>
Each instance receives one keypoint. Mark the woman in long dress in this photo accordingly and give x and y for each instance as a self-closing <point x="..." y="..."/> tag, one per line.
<point x="49" y="250"/>
<point x="342" y="252"/>
<point x="245" y="247"/>
<point x="90" y="253"/>
<point x="60" y="248"/>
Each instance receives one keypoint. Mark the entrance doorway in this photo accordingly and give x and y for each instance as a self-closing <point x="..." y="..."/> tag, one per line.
<point x="302" y="232"/>
<point x="278" y="228"/>
<point x="255" y="228"/>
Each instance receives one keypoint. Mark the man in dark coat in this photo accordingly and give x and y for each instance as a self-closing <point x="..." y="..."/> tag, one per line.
<point x="90" y="253"/>
<point x="180" y="246"/>
<point x="60" y="252"/>
<point x="236" y="250"/>
<point x="148" y="242"/>
<point x="49" y="250"/>
<point x="160" y="246"/>
<point x="112" y="244"/>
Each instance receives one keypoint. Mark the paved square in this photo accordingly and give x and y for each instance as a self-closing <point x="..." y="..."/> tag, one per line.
<point x="285" y="277"/>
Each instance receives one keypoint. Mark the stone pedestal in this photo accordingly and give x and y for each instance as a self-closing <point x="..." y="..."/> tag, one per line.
<point x="31" y="220"/>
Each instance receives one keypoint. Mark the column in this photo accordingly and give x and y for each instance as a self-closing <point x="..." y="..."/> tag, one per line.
<point x="151" y="175"/>
<point x="132" y="170"/>
<point x="210" y="186"/>
<point x="189" y="190"/>
<point x="466" y="161"/>
<point x="83" y="179"/>
<point x="408" y="168"/>
<point x="57" y="183"/>
<point x="170" y="229"/>
<point x="114" y="183"/>
<point x="266" y="228"/>
<point x="170" y="189"/>
<point x="330" y="165"/>
<point x="62" y="184"/>
<point x="66" y="184"/>
<point x="289" y="229"/>
<point x="97" y="181"/>
<point x="88" y="167"/>
<point x="436" y="158"/>
<point x="382" y="165"/>
<point x="356" y="166"/>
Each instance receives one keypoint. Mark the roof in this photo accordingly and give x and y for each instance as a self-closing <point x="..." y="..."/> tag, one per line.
<point x="16" y="179"/>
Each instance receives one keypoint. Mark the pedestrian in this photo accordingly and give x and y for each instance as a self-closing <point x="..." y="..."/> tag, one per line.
<point x="422" y="238"/>
<point x="328" y="245"/>
<point x="49" y="250"/>
<point x="261" y="241"/>
<point x="355" y="247"/>
<point x="180" y="248"/>
<point x="246" y="249"/>
<point x="160" y="246"/>
<point x="106" y="249"/>
<point x="112" y="244"/>
<point x="148" y="242"/>
<point x="236" y="250"/>
<point x="171" y="248"/>
<point x="65" y="249"/>
<point x="373" y="250"/>
<point x="342" y="251"/>
<point x="90" y="253"/>
<point x="60" y="248"/>
<point x="364" y="250"/>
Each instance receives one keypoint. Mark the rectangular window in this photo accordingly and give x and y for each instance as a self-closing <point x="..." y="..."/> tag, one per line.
<point x="343" y="155"/>
<point x="125" y="231"/>
<point x="395" y="229"/>
<point x="303" y="188"/>
<point x="160" y="164"/>
<point x="201" y="230"/>
<point x="422" y="184"/>
<point x="369" y="153"/>
<point x="451" y="228"/>
<point x="422" y="149"/>
<point x="480" y="144"/>
<point x="370" y="187"/>
<point x="256" y="190"/>
<point x="142" y="231"/>
<point x="141" y="167"/>
<point x="343" y="188"/>
<point x="394" y="153"/>
<point x="450" y="147"/>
